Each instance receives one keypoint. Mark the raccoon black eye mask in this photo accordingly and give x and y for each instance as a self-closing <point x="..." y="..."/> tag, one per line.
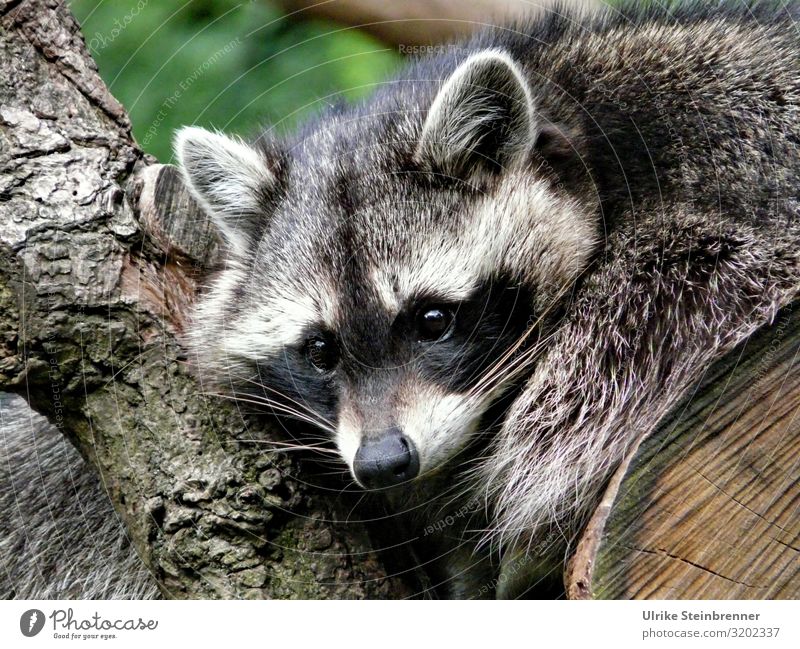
<point x="488" y="280"/>
<point x="323" y="352"/>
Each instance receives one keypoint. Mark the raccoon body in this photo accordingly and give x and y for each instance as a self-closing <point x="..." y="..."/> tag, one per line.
<point x="483" y="284"/>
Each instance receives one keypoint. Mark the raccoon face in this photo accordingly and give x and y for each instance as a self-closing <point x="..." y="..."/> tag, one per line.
<point x="388" y="271"/>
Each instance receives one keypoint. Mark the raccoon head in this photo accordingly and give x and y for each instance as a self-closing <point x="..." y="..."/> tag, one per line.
<point x="388" y="270"/>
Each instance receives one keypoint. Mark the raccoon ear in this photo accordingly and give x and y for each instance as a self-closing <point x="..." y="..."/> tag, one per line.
<point x="230" y="179"/>
<point x="482" y="117"/>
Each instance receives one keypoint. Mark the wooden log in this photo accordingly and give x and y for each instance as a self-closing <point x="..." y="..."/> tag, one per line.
<point x="425" y="22"/>
<point x="707" y="507"/>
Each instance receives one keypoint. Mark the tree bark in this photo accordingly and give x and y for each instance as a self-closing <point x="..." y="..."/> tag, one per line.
<point x="101" y="253"/>
<point x="424" y="22"/>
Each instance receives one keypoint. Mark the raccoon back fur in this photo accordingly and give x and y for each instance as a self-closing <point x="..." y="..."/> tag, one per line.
<point x="483" y="284"/>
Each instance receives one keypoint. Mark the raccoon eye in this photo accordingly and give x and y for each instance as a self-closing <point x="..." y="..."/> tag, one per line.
<point x="434" y="323"/>
<point x="322" y="352"/>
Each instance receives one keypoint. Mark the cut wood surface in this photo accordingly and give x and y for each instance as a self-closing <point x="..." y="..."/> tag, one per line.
<point x="708" y="507"/>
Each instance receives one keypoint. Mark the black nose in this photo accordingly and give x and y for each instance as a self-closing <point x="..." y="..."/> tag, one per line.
<point x="386" y="460"/>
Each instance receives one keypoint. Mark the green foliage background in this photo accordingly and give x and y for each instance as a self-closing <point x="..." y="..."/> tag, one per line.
<point x="236" y="66"/>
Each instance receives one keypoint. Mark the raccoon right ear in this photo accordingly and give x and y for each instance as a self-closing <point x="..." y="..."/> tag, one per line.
<point x="483" y="117"/>
<point x="230" y="179"/>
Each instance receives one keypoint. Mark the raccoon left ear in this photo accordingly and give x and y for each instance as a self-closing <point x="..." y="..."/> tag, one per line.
<point x="230" y="179"/>
<point x="482" y="117"/>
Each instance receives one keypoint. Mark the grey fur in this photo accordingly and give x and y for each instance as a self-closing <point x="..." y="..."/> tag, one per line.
<point x="59" y="535"/>
<point x="651" y="214"/>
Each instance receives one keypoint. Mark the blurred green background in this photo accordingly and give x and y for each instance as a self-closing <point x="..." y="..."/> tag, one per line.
<point x="237" y="66"/>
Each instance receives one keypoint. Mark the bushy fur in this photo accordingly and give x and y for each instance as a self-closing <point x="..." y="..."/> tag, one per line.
<point x="615" y="197"/>
<point x="690" y="130"/>
<point x="59" y="535"/>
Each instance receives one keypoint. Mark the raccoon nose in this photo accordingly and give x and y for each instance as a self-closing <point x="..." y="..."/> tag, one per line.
<point x="386" y="461"/>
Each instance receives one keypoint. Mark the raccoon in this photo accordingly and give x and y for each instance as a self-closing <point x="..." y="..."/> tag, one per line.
<point x="485" y="282"/>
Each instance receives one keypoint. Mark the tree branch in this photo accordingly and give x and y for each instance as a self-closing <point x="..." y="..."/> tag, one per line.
<point x="101" y="253"/>
<point x="423" y="22"/>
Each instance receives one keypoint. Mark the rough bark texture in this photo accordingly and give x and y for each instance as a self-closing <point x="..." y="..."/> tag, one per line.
<point x="424" y="22"/>
<point x="706" y="507"/>
<point x="100" y="255"/>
